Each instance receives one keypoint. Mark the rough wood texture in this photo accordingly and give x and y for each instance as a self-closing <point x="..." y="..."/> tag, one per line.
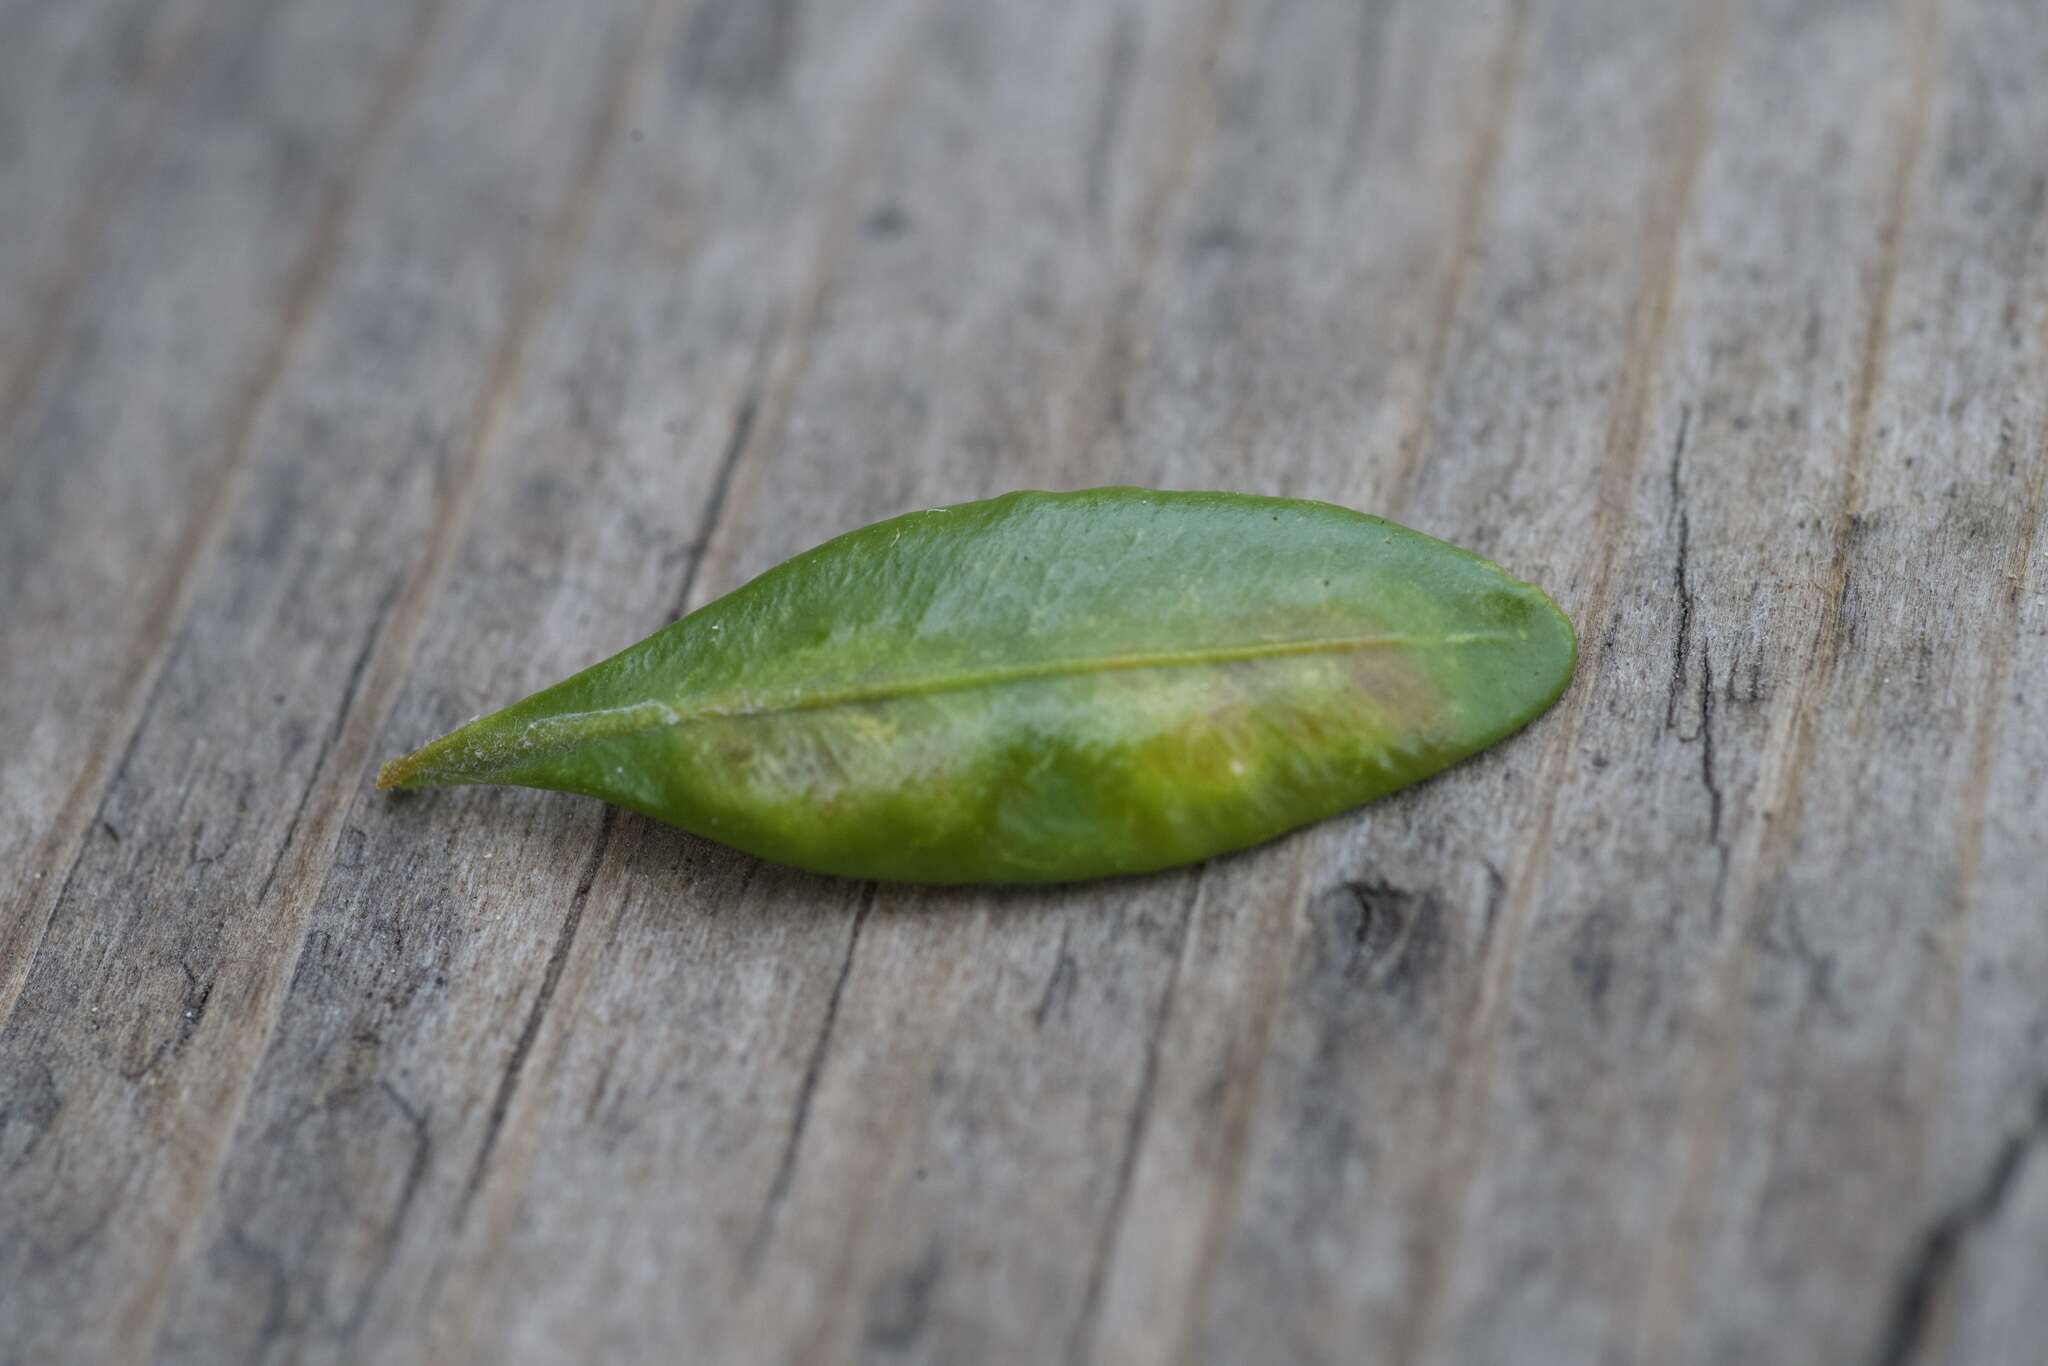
<point x="363" y="367"/>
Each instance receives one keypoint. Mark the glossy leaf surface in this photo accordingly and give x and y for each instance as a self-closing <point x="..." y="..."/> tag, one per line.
<point x="1045" y="687"/>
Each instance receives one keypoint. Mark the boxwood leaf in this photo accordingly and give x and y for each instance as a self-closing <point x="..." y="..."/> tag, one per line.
<point x="1045" y="687"/>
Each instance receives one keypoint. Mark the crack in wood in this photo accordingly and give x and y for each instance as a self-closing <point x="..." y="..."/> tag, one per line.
<point x="1703" y="1104"/>
<point x="551" y="976"/>
<point x="738" y="442"/>
<point x="1681" y="657"/>
<point x="1938" y="1251"/>
<point x="1088" y="1319"/>
<point x="1240" y="1102"/>
<point x="269" y="1263"/>
<point x="1681" y="645"/>
<point x="371" y="639"/>
<point x="1059" y="983"/>
<point x="419" y="1121"/>
<point x="807" y="1090"/>
<point x="1475" y="1043"/>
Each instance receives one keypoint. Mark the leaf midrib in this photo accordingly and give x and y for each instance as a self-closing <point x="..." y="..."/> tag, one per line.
<point x="565" y="731"/>
<point x="1071" y="667"/>
<point x="900" y="689"/>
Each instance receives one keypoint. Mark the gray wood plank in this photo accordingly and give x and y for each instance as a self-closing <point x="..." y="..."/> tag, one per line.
<point x="1840" y="1103"/>
<point x="122" y="470"/>
<point x="82" y="93"/>
<point x="1969" y="1287"/>
<point x="158" y="980"/>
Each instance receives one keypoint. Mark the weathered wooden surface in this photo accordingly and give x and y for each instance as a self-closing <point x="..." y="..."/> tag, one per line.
<point x="363" y="367"/>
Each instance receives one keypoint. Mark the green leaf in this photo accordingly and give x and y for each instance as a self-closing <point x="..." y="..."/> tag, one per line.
<point x="1045" y="687"/>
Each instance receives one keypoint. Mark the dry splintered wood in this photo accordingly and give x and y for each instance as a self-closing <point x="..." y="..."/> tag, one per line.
<point x="363" y="368"/>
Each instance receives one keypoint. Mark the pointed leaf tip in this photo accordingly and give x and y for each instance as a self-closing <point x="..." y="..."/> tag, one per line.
<point x="392" y="774"/>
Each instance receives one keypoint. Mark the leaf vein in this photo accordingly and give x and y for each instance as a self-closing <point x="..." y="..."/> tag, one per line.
<point x="892" y="690"/>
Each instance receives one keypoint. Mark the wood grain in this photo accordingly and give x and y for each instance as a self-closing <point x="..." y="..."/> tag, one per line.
<point x="363" y="368"/>
<point x="82" y="95"/>
<point x="243" y="212"/>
